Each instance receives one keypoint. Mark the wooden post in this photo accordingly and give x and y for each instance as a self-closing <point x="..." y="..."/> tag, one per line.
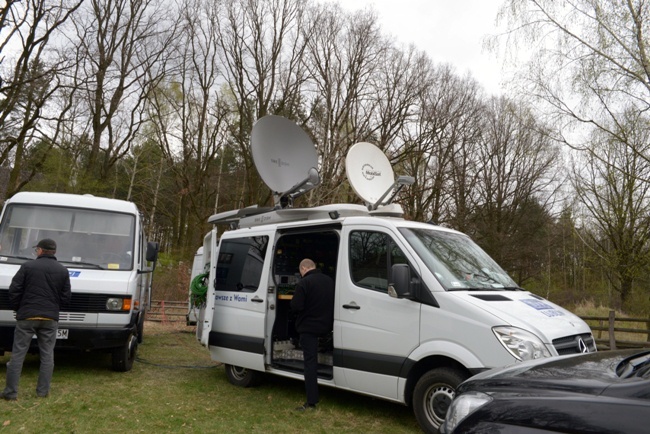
<point x="600" y="332"/>
<point x="162" y="308"/>
<point x="612" y="338"/>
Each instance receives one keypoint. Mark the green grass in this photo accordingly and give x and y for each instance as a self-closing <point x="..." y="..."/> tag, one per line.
<point x="175" y="387"/>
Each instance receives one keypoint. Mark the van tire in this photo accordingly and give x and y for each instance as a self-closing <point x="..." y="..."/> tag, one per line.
<point x="140" y="328"/>
<point x="243" y="377"/>
<point x="123" y="357"/>
<point x="432" y="397"/>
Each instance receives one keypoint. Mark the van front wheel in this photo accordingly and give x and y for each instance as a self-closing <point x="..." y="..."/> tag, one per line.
<point x="124" y="356"/>
<point x="242" y="377"/>
<point x="432" y="397"/>
<point x="140" y="328"/>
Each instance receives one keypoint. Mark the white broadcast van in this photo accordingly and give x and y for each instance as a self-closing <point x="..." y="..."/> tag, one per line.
<point x="102" y="243"/>
<point x="418" y="308"/>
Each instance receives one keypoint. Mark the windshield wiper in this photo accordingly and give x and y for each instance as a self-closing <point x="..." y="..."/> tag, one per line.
<point x="86" y="264"/>
<point x="473" y="288"/>
<point x="484" y="277"/>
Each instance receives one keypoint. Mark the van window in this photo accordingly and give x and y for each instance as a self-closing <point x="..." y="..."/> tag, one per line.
<point x="240" y="264"/>
<point x="371" y="256"/>
<point x="85" y="238"/>
<point x="457" y="262"/>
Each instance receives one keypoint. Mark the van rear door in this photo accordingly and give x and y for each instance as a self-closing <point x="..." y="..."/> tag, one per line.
<point x="238" y="322"/>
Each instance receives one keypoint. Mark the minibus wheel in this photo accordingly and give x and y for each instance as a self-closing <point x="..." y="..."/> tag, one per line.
<point x="432" y="397"/>
<point x="243" y="377"/>
<point x="140" y="328"/>
<point x="124" y="356"/>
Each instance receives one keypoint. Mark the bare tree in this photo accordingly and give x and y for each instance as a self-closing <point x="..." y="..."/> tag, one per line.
<point x="590" y="68"/>
<point x="516" y="165"/>
<point x="119" y="44"/>
<point x="28" y="79"/>
<point x="589" y="62"/>
<point x="189" y="116"/>
<point x="343" y="54"/>
<point x="262" y="47"/>
<point x="616" y="200"/>
<point x="439" y="148"/>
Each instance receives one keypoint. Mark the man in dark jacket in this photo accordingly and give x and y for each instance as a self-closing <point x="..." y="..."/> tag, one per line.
<point x="37" y="292"/>
<point x="313" y="302"/>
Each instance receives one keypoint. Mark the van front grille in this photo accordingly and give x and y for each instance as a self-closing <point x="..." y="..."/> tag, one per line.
<point x="583" y="343"/>
<point x="80" y="302"/>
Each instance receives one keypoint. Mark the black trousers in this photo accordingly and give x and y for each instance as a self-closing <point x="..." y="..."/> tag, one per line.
<point x="309" y="345"/>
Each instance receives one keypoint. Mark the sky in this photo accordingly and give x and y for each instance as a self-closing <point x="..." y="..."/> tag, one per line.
<point x="450" y="31"/>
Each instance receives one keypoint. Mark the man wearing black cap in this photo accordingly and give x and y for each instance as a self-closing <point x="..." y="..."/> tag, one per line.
<point x="37" y="292"/>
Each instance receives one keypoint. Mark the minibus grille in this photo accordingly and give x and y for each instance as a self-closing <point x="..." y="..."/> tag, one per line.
<point x="583" y="343"/>
<point x="80" y="302"/>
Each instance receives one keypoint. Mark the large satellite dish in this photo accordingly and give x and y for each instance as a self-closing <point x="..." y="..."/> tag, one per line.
<point x="285" y="158"/>
<point x="371" y="175"/>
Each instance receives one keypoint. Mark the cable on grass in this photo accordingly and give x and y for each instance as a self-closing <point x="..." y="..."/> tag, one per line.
<point x="159" y="365"/>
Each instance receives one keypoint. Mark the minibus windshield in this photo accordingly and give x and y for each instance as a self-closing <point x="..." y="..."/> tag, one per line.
<point x="85" y="238"/>
<point x="457" y="261"/>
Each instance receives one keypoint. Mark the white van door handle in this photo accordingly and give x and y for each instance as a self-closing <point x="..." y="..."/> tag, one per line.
<point x="256" y="299"/>
<point x="353" y="305"/>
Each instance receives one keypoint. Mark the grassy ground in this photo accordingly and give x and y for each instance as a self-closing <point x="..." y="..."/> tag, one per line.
<point x="175" y="387"/>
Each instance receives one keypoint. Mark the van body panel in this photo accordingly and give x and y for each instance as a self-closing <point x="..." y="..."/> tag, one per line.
<point x="527" y="311"/>
<point x="100" y="281"/>
<point x="375" y="332"/>
<point x="204" y="320"/>
<point x="239" y="313"/>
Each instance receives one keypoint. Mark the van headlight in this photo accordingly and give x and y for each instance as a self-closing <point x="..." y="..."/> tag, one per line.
<point x="118" y="304"/>
<point x="462" y="406"/>
<point x="522" y="344"/>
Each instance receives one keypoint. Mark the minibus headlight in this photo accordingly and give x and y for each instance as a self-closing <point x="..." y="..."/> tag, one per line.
<point x="462" y="406"/>
<point x="523" y="345"/>
<point x="118" y="304"/>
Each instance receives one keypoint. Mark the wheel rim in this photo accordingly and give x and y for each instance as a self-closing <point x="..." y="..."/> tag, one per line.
<point x="437" y="402"/>
<point x="133" y="344"/>
<point x="238" y="373"/>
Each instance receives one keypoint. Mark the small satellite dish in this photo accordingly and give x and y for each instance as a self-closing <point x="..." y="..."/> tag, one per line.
<point x="369" y="171"/>
<point x="284" y="156"/>
<point x="371" y="175"/>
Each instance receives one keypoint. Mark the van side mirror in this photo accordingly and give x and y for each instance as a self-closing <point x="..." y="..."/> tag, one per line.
<point x="152" y="252"/>
<point x="400" y="281"/>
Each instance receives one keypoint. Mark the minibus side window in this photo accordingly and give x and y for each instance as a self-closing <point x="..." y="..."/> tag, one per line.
<point x="240" y="264"/>
<point x="371" y="256"/>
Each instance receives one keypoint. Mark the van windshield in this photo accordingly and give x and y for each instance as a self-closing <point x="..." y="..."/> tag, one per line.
<point x="85" y="238"/>
<point x="457" y="261"/>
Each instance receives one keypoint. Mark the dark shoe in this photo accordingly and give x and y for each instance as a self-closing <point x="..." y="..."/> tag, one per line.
<point x="7" y="398"/>
<point x="43" y="396"/>
<point x="306" y="407"/>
